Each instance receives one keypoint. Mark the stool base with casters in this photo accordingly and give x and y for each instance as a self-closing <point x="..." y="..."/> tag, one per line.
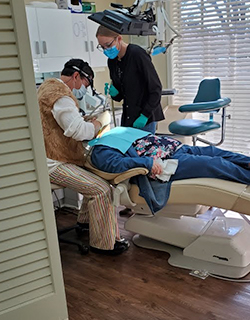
<point x="79" y="228"/>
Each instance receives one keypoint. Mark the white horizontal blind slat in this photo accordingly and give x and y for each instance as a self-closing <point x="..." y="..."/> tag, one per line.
<point x="14" y="134"/>
<point x="16" y="168"/>
<point x="8" y="50"/>
<point x="5" y="10"/>
<point x="16" y="157"/>
<point x="21" y="231"/>
<point x="22" y="209"/>
<point x="33" y="276"/>
<point x="8" y="62"/>
<point x="20" y="242"/>
<point x="7" y="37"/>
<point x="25" y="269"/>
<point x="10" y="75"/>
<point x="19" y="200"/>
<point x="18" y="179"/>
<point x="24" y="288"/>
<point x="20" y="220"/>
<point x="18" y="190"/>
<point x="12" y="112"/>
<point x="13" y="99"/>
<point x="215" y="43"/>
<point x="10" y="87"/>
<point x="6" y="24"/>
<point x="13" y="146"/>
<point x="36" y="293"/>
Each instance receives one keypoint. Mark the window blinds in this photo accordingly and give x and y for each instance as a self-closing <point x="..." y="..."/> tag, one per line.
<point x="215" y="43"/>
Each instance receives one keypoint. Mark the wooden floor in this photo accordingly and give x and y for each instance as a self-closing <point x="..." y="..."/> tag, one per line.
<point x="141" y="285"/>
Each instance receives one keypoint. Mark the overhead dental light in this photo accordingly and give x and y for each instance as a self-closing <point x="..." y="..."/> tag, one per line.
<point x="124" y="22"/>
<point x="135" y="21"/>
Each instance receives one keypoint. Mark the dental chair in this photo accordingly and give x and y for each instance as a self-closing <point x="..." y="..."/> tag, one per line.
<point x="207" y="100"/>
<point x="206" y="242"/>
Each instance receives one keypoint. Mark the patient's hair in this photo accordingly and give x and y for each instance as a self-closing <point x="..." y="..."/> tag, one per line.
<point x="68" y="69"/>
<point x="105" y="32"/>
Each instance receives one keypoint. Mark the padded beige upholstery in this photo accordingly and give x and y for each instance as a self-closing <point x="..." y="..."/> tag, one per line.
<point x="209" y="192"/>
<point x="204" y="191"/>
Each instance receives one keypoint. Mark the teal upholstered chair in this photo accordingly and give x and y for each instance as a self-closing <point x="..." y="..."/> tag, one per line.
<point x="207" y="100"/>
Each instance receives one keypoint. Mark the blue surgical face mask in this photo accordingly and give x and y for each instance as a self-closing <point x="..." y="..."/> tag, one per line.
<point x="80" y="93"/>
<point x="111" y="53"/>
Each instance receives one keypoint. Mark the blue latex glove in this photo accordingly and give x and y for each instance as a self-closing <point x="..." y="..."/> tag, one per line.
<point x="140" y="122"/>
<point x="106" y="88"/>
<point x="113" y="91"/>
<point x="110" y="89"/>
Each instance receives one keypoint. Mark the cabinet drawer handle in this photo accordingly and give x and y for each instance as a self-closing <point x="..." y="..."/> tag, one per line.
<point x="37" y="47"/>
<point x="44" y="47"/>
<point x="86" y="46"/>
<point x="92" y="45"/>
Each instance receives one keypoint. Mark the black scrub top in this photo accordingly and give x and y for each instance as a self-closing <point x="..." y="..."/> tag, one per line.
<point x="138" y="84"/>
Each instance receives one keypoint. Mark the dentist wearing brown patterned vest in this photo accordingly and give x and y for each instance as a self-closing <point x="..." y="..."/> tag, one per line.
<point x="64" y="129"/>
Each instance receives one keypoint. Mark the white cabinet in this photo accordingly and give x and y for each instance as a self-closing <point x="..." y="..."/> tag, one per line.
<point x="51" y="38"/>
<point x="85" y="42"/>
<point x="33" y="33"/>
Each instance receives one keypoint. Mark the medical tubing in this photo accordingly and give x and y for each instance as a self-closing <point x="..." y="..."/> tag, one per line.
<point x="113" y="111"/>
<point x="167" y="22"/>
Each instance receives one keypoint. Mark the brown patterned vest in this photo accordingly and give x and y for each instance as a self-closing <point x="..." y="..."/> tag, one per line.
<point x="58" y="147"/>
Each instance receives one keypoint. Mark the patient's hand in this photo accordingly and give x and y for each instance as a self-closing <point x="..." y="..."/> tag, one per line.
<point x="97" y="124"/>
<point x="89" y="118"/>
<point x="156" y="168"/>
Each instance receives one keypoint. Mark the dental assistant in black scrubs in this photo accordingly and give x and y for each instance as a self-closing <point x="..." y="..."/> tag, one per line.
<point x="134" y="80"/>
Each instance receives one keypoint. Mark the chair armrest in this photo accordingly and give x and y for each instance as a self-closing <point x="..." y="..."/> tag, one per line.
<point x="129" y="174"/>
<point x="168" y="92"/>
<point x="115" y="178"/>
<point x="205" y="106"/>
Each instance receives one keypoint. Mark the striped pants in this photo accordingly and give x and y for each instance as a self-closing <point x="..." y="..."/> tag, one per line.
<point x="97" y="207"/>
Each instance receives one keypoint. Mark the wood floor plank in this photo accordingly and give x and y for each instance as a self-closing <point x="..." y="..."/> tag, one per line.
<point x="141" y="285"/>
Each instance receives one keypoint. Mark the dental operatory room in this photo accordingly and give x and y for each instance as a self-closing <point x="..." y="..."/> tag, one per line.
<point x="124" y="160"/>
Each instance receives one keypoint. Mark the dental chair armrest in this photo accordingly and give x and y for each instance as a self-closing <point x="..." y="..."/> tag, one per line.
<point x="115" y="178"/>
<point x="168" y="92"/>
<point x="128" y="174"/>
<point x="205" y="106"/>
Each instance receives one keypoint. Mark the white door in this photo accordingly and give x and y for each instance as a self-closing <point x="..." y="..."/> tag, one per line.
<point x="31" y="282"/>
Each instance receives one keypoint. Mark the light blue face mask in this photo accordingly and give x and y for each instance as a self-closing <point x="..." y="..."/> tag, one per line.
<point x="80" y="93"/>
<point x="111" y="53"/>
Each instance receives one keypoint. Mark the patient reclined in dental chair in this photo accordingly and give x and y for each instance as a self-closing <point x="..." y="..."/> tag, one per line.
<point x="170" y="216"/>
<point x="219" y="245"/>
